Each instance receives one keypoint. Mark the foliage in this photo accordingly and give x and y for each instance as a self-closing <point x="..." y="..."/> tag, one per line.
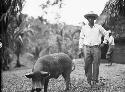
<point x="113" y="17"/>
<point x="115" y="7"/>
<point x="10" y="19"/>
<point x="50" y="3"/>
<point x="52" y="38"/>
<point x="13" y="23"/>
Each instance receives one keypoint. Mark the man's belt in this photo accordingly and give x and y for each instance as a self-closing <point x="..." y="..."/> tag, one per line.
<point x="96" y="46"/>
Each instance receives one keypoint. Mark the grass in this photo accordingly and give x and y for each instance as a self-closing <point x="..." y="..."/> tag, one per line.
<point x="113" y="76"/>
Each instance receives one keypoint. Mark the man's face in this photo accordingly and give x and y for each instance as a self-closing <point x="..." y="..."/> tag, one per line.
<point x="91" y="19"/>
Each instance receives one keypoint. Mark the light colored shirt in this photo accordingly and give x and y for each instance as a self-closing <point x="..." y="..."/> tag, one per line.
<point x="111" y="40"/>
<point x="92" y="36"/>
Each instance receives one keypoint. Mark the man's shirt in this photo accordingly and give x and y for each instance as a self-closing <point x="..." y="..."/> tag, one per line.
<point x="111" y="40"/>
<point x="92" y="36"/>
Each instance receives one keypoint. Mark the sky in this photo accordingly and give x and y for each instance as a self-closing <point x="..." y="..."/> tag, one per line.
<point x="72" y="12"/>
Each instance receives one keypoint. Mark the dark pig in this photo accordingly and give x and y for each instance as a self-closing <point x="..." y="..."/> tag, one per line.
<point x="50" y="66"/>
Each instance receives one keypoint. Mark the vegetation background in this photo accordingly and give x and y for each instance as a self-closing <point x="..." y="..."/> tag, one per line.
<point x="23" y="34"/>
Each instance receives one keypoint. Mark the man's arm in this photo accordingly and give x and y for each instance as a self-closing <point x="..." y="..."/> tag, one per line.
<point x="104" y="33"/>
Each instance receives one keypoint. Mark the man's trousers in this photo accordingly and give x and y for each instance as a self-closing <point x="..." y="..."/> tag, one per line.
<point x="92" y="56"/>
<point x="109" y="53"/>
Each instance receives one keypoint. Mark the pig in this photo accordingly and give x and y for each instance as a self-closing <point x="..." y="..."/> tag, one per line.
<point x="51" y="66"/>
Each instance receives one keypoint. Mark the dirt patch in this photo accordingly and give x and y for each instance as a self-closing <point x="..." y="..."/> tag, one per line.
<point x="113" y="77"/>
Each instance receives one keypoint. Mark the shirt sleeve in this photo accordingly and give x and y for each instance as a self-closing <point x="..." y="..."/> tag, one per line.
<point x="112" y="41"/>
<point x="104" y="33"/>
<point x="81" y="38"/>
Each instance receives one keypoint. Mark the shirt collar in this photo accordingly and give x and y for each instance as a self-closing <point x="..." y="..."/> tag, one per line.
<point x="92" y="27"/>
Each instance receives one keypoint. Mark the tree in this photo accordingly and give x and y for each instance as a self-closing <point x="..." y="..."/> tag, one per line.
<point x="113" y="18"/>
<point x="113" y="12"/>
<point x="10" y="12"/>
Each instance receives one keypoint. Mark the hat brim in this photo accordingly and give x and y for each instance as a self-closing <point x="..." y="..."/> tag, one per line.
<point x="91" y="15"/>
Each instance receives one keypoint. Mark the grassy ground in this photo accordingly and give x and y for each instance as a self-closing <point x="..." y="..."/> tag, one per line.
<point x="113" y="76"/>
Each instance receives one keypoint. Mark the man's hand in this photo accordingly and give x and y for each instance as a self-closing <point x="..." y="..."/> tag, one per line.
<point x="102" y="45"/>
<point x="80" y="49"/>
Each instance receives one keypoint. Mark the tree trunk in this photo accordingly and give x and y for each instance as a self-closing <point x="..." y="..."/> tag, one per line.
<point x="18" y="51"/>
<point x="59" y="44"/>
<point x="4" y="40"/>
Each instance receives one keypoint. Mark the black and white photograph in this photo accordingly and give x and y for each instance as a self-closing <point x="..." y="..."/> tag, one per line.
<point x="62" y="45"/>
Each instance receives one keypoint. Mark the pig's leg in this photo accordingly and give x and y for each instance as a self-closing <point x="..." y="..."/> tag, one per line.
<point x="32" y="90"/>
<point x="66" y="76"/>
<point x="46" y="85"/>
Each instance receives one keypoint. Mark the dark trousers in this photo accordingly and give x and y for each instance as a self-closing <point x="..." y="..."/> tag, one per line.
<point x="109" y="53"/>
<point x="92" y="56"/>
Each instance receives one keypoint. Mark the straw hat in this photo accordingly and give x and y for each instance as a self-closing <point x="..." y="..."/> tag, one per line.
<point x="90" y="14"/>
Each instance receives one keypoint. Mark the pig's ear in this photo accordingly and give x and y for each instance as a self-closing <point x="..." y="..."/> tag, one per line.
<point x="29" y="75"/>
<point x="44" y="74"/>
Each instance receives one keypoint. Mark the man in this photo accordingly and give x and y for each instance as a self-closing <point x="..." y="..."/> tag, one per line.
<point x="111" y="44"/>
<point x="90" y="43"/>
